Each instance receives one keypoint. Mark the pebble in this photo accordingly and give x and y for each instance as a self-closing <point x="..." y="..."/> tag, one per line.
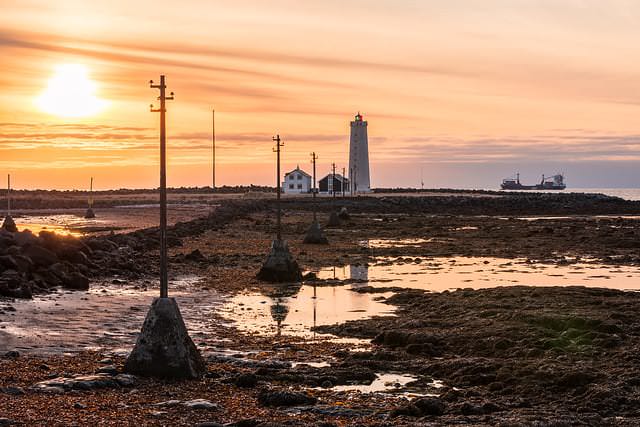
<point x="15" y="391"/>
<point x="7" y="422"/>
<point x="12" y="354"/>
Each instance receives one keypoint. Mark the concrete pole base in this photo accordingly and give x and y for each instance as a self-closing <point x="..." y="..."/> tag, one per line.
<point x="334" y="221"/>
<point x="280" y="267"/>
<point x="89" y="214"/>
<point x="343" y="214"/>
<point x="315" y="235"/>
<point x="9" y="224"/>
<point x="164" y="348"/>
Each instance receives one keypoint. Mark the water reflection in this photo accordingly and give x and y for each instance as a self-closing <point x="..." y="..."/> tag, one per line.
<point x="272" y="312"/>
<point x="439" y="274"/>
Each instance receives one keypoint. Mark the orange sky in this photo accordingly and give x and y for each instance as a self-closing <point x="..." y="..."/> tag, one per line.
<point x="467" y="91"/>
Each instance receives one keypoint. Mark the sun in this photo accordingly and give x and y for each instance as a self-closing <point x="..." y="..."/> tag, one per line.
<point x="71" y="93"/>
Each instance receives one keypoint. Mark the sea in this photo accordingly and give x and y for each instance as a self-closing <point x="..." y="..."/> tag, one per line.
<point x="623" y="193"/>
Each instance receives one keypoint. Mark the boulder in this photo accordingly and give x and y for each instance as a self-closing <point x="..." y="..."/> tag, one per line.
<point x="39" y="255"/>
<point x="164" y="348"/>
<point x="77" y="281"/>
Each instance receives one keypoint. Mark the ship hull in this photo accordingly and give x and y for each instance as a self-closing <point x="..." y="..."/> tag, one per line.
<point x="532" y="187"/>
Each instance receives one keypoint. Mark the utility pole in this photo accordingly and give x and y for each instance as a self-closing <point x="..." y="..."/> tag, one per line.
<point x="8" y="194"/>
<point x="279" y="144"/>
<point x="343" y="179"/>
<point x="333" y="180"/>
<point x="213" y="143"/>
<point x="313" y="160"/>
<point x="91" y="193"/>
<point x="164" y="282"/>
<point x="351" y="181"/>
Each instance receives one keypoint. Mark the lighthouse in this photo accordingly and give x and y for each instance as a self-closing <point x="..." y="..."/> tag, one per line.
<point x="359" y="157"/>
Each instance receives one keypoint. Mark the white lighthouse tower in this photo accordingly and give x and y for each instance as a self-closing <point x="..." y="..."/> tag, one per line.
<point x="359" y="157"/>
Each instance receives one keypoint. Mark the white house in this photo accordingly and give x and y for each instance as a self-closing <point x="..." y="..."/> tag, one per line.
<point x="296" y="181"/>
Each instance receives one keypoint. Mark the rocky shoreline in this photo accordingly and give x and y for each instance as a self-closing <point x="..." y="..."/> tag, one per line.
<point x="507" y="356"/>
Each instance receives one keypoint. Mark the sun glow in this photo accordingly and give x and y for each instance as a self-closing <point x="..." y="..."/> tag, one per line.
<point x="71" y="93"/>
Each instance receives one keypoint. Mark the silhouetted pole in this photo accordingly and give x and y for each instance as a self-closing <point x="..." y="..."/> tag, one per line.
<point x="213" y="143"/>
<point x="333" y="180"/>
<point x="91" y="193"/>
<point x="8" y="194"/>
<point x="343" y="179"/>
<point x="351" y="181"/>
<point x="313" y="160"/>
<point x="276" y="139"/>
<point x="164" y="284"/>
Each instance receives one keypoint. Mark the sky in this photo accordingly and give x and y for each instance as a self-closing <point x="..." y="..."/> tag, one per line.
<point x="458" y="93"/>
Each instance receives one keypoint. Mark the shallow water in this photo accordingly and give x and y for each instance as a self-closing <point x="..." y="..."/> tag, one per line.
<point x="296" y="311"/>
<point x="66" y="225"/>
<point x="447" y="273"/>
<point x="107" y="317"/>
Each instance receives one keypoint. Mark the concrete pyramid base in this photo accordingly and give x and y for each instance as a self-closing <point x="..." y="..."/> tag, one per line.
<point x="343" y="214"/>
<point x="89" y="214"/>
<point x="9" y="224"/>
<point x="280" y="267"/>
<point x="315" y="235"/>
<point x="164" y="348"/>
<point x="334" y="221"/>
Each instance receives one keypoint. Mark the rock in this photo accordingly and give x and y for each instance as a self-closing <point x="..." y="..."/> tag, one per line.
<point x="125" y="380"/>
<point x="7" y="422"/>
<point x="83" y="382"/>
<point x="163" y="348"/>
<point x="424" y="406"/>
<point x="12" y="354"/>
<point x="210" y="424"/>
<point x="246" y="380"/>
<point x="40" y="256"/>
<point x="285" y="398"/>
<point x="12" y="390"/>
<point x="77" y="281"/>
<point x="200" y="404"/>
<point x="109" y="369"/>
<point x="89" y="214"/>
<point x="315" y="235"/>
<point x="195" y="256"/>
<point x="78" y="405"/>
<point x="280" y="267"/>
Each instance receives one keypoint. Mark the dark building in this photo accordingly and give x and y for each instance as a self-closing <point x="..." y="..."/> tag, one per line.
<point x="325" y="185"/>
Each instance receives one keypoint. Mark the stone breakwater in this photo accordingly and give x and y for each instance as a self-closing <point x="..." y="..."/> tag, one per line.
<point x="504" y="204"/>
<point x="37" y="263"/>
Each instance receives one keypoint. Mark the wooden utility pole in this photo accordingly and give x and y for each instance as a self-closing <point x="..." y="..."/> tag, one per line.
<point x="213" y="143"/>
<point x="8" y="194"/>
<point x="164" y="282"/>
<point x="313" y="160"/>
<point x="276" y="139"/>
<point x="91" y="194"/>
<point x="333" y="180"/>
<point x="343" y="179"/>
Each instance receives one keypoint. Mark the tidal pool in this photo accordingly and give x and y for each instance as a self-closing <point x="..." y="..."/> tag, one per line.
<point x="296" y="310"/>
<point x="440" y="274"/>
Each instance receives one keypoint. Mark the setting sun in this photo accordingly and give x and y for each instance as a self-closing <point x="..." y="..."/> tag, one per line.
<point x="71" y="93"/>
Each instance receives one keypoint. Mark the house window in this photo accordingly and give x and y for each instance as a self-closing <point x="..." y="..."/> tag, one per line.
<point x="299" y="186"/>
<point x="291" y="186"/>
<point x="299" y="177"/>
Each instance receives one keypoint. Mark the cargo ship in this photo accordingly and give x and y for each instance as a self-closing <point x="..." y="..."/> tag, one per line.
<point x="555" y="182"/>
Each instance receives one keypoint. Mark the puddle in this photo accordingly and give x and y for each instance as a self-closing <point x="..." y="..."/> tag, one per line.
<point x="440" y="274"/>
<point x="395" y="243"/>
<point x="295" y="310"/>
<point x="65" y="225"/>
<point x="384" y="383"/>
<point x="106" y="318"/>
